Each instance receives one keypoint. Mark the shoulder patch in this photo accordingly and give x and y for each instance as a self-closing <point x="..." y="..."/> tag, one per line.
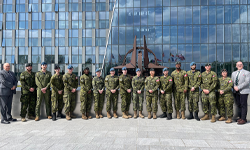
<point x="185" y="75"/>
<point x="157" y="80"/>
<point x="199" y="76"/>
<point x="213" y="76"/>
<point x="170" y="80"/>
<point x="22" y="77"/>
<point x="229" y="81"/>
<point x="120" y="79"/>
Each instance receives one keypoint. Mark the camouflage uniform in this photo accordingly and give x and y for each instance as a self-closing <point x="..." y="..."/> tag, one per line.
<point x="28" y="99"/>
<point x="125" y="84"/>
<point x="56" y="98"/>
<point x="70" y="82"/>
<point x="111" y="82"/>
<point x="98" y="84"/>
<point x="166" y="98"/>
<point x="85" y="97"/>
<point x="209" y="82"/>
<point x="180" y="84"/>
<point x="193" y="96"/>
<point x="152" y="98"/>
<point x="138" y="84"/>
<point x="226" y="99"/>
<point x="42" y="81"/>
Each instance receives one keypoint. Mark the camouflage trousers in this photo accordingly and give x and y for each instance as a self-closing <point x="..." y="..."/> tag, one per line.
<point x="209" y="99"/>
<point x="217" y="102"/>
<point x="138" y="101"/>
<point x="56" y="102"/>
<point x="226" y="101"/>
<point x="126" y="100"/>
<point x="193" y="99"/>
<point x="111" y="98"/>
<point x="86" y="100"/>
<point x="46" y="97"/>
<point x="179" y="101"/>
<point x="98" y="101"/>
<point x="28" y="101"/>
<point x="152" y="100"/>
<point x="166" y="102"/>
<point x="69" y="100"/>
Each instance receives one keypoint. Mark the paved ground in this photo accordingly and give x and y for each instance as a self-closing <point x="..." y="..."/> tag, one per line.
<point x="119" y="133"/>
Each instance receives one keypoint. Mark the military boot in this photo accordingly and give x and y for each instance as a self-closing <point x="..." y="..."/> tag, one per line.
<point x="96" y="115"/>
<point x="169" y="116"/>
<point x="213" y="119"/>
<point x="154" y="116"/>
<point x="31" y="117"/>
<point x="87" y="115"/>
<point x="196" y="116"/>
<point x="37" y="118"/>
<point x="229" y="120"/>
<point x="190" y="116"/>
<point x="149" y="115"/>
<point x="84" y="117"/>
<point x="54" y="116"/>
<point x="23" y="119"/>
<point x="164" y="115"/>
<point x="128" y="114"/>
<point x="68" y="116"/>
<point x="49" y="117"/>
<point x="59" y="114"/>
<point x="124" y="115"/>
<point x="140" y="114"/>
<point x="222" y="118"/>
<point x="183" y="115"/>
<point x="206" y="117"/>
<point x="115" y="114"/>
<point x="135" y="114"/>
<point x="177" y="114"/>
<point x="71" y="115"/>
<point x="108" y="115"/>
<point x="100" y="114"/>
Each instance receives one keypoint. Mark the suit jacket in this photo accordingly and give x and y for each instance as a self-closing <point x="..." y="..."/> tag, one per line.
<point x="244" y="81"/>
<point x="7" y="82"/>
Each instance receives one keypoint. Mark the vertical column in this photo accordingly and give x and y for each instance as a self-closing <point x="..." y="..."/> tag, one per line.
<point x="3" y="55"/>
<point x="13" y="37"/>
<point x="29" y="20"/>
<point x="97" y="54"/>
<point x="66" y="6"/>
<point x="16" y="55"/>
<point x="93" y="37"/>
<point x="70" y="20"/>
<point x="56" y="54"/>
<point x="26" y="5"/>
<point x="4" y="21"/>
<point x="26" y="37"/>
<point x="107" y="5"/>
<point x="29" y="55"/>
<point x="13" y="6"/>
<point x="80" y="37"/>
<point x="16" y="20"/>
<point x="43" y="21"/>
<point x="42" y="54"/>
<point x="97" y="20"/>
<point x="56" y="20"/>
<point x="70" y="55"/>
<point x="93" y="5"/>
<point x="83" y="54"/>
<point x="39" y="37"/>
<point x="39" y="5"/>
<point x="53" y="37"/>
<point x="66" y="37"/>
<point x="83" y="20"/>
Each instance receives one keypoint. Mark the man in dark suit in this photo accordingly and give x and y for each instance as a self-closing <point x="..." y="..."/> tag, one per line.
<point x="8" y="84"/>
<point x="241" y="80"/>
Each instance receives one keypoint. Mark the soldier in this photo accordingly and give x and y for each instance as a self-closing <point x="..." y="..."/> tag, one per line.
<point x="86" y="93"/>
<point x="180" y="78"/>
<point x="70" y="82"/>
<point x="138" y="93"/>
<point x="43" y="90"/>
<point x="56" y="82"/>
<point x="125" y="92"/>
<point x="208" y="85"/>
<point x="226" y="99"/>
<point x="112" y="86"/>
<point x="166" y="95"/>
<point x="152" y="84"/>
<point x="28" y="93"/>
<point x="98" y="90"/>
<point x="194" y="82"/>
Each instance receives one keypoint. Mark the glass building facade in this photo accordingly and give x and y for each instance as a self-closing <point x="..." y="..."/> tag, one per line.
<point x="76" y="31"/>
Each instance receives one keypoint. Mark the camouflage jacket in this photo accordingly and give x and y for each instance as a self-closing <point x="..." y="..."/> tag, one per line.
<point x="125" y="83"/>
<point x="111" y="83"/>
<point x="70" y="82"/>
<point x="27" y="81"/>
<point x="86" y="82"/>
<point x="166" y="84"/>
<point x="208" y="81"/>
<point x="138" y="84"/>
<point x="98" y="84"/>
<point x="180" y="80"/>
<point x="194" y="80"/>
<point x="43" y="79"/>
<point x="56" y="83"/>
<point x="225" y="85"/>
<point x="152" y="84"/>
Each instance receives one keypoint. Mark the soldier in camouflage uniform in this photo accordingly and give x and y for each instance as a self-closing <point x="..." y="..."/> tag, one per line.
<point x="208" y="85"/>
<point x="180" y="78"/>
<point x="86" y="93"/>
<point x="28" y="93"/>
<point x="138" y="93"/>
<point x="194" y="78"/>
<point x="99" y="94"/>
<point x="70" y="82"/>
<point x="112" y="86"/>
<point x="152" y="84"/>
<point x="57" y="93"/>
<point x="125" y="92"/>
<point x="166" y="95"/>
<point x="226" y="99"/>
<point x="43" y="90"/>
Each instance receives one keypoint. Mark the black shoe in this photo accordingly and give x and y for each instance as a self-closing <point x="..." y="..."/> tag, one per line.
<point x="11" y="119"/>
<point x="59" y="114"/>
<point x="190" y="116"/>
<point x="164" y="115"/>
<point x="169" y="116"/>
<point x="54" y="117"/>
<point x="196" y="116"/>
<point x="5" y="122"/>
